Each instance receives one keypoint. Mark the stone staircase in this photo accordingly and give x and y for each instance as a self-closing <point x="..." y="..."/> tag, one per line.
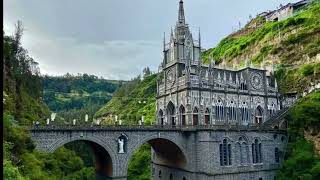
<point x="276" y="119"/>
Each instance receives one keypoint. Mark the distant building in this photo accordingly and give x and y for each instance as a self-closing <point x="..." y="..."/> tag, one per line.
<point x="285" y="12"/>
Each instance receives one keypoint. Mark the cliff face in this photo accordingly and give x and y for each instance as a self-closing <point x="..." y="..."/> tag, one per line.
<point x="292" y="44"/>
<point x="312" y="134"/>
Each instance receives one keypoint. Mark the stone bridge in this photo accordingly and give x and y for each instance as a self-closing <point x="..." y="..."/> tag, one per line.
<point x="188" y="152"/>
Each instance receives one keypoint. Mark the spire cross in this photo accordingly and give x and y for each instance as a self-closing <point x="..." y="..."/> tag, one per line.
<point x="181" y="13"/>
<point x="199" y="38"/>
<point x="164" y="41"/>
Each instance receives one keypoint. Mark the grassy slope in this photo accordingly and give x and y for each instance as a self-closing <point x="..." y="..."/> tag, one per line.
<point x="299" y="44"/>
<point x="133" y="100"/>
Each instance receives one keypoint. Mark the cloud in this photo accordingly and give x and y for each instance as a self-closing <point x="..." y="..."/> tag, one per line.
<point x="117" y="39"/>
<point x="110" y="59"/>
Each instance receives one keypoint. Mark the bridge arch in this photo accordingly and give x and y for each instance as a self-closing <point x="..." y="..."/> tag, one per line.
<point x="168" y="148"/>
<point x="106" y="158"/>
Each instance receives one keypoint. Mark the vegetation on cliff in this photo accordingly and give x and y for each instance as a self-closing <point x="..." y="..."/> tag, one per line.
<point x="290" y="44"/>
<point x="302" y="160"/>
<point x="22" y="100"/>
<point x="133" y="100"/>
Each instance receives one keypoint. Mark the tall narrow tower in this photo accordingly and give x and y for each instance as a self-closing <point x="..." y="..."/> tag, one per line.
<point x="180" y="64"/>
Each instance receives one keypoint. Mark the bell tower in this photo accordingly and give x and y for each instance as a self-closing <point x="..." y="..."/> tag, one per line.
<point x="180" y="68"/>
<point x="181" y="47"/>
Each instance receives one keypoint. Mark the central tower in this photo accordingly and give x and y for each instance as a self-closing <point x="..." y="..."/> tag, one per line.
<point x="181" y="60"/>
<point x="181" y="47"/>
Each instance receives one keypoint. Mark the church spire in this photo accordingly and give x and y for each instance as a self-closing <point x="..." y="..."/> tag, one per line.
<point x="181" y="19"/>
<point x="164" y="41"/>
<point x="199" y="39"/>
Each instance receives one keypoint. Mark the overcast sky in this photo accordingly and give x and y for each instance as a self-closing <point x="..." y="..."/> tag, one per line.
<point x="116" y="39"/>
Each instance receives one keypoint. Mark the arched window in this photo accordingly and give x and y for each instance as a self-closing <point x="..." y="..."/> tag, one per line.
<point x="207" y="117"/>
<point x="160" y="116"/>
<point x="240" y="152"/>
<point x="219" y="108"/>
<point x="270" y="112"/>
<point x="232" y="116"/>
<point x="272" y="109"/>
<point x="244" y="114"/>
<point x="276" y="155"/>
<point x="225" y="153"/>
<point x="256" y="152"/>
<point x="171" y="177"/>
<point x="184" y="178"/>
<point x="243" y="150"/>
<point x="160" y="175"/>
<point x="258" y="115"/>
<point x="171" y="113"/>
<point x="195" y="116"/>
<point x="243" y="86"/>
<point x="182" y="113"/>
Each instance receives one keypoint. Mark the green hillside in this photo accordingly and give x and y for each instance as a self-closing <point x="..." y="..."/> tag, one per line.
<point x="74" y="96"/>
<point x="133" y="100"/>
<point x="292" y="44"/>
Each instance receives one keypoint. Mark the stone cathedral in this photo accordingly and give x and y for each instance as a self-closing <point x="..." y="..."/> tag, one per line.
<point x="192" y="93"/>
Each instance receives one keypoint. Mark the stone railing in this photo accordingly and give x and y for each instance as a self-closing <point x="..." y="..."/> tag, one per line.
<point x="152" y="127"/>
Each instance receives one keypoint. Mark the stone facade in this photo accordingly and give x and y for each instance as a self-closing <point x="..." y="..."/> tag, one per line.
<point x="192" y="93"/>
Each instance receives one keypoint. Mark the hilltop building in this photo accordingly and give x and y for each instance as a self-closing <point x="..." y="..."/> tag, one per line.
<point x="285" y="11"/>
